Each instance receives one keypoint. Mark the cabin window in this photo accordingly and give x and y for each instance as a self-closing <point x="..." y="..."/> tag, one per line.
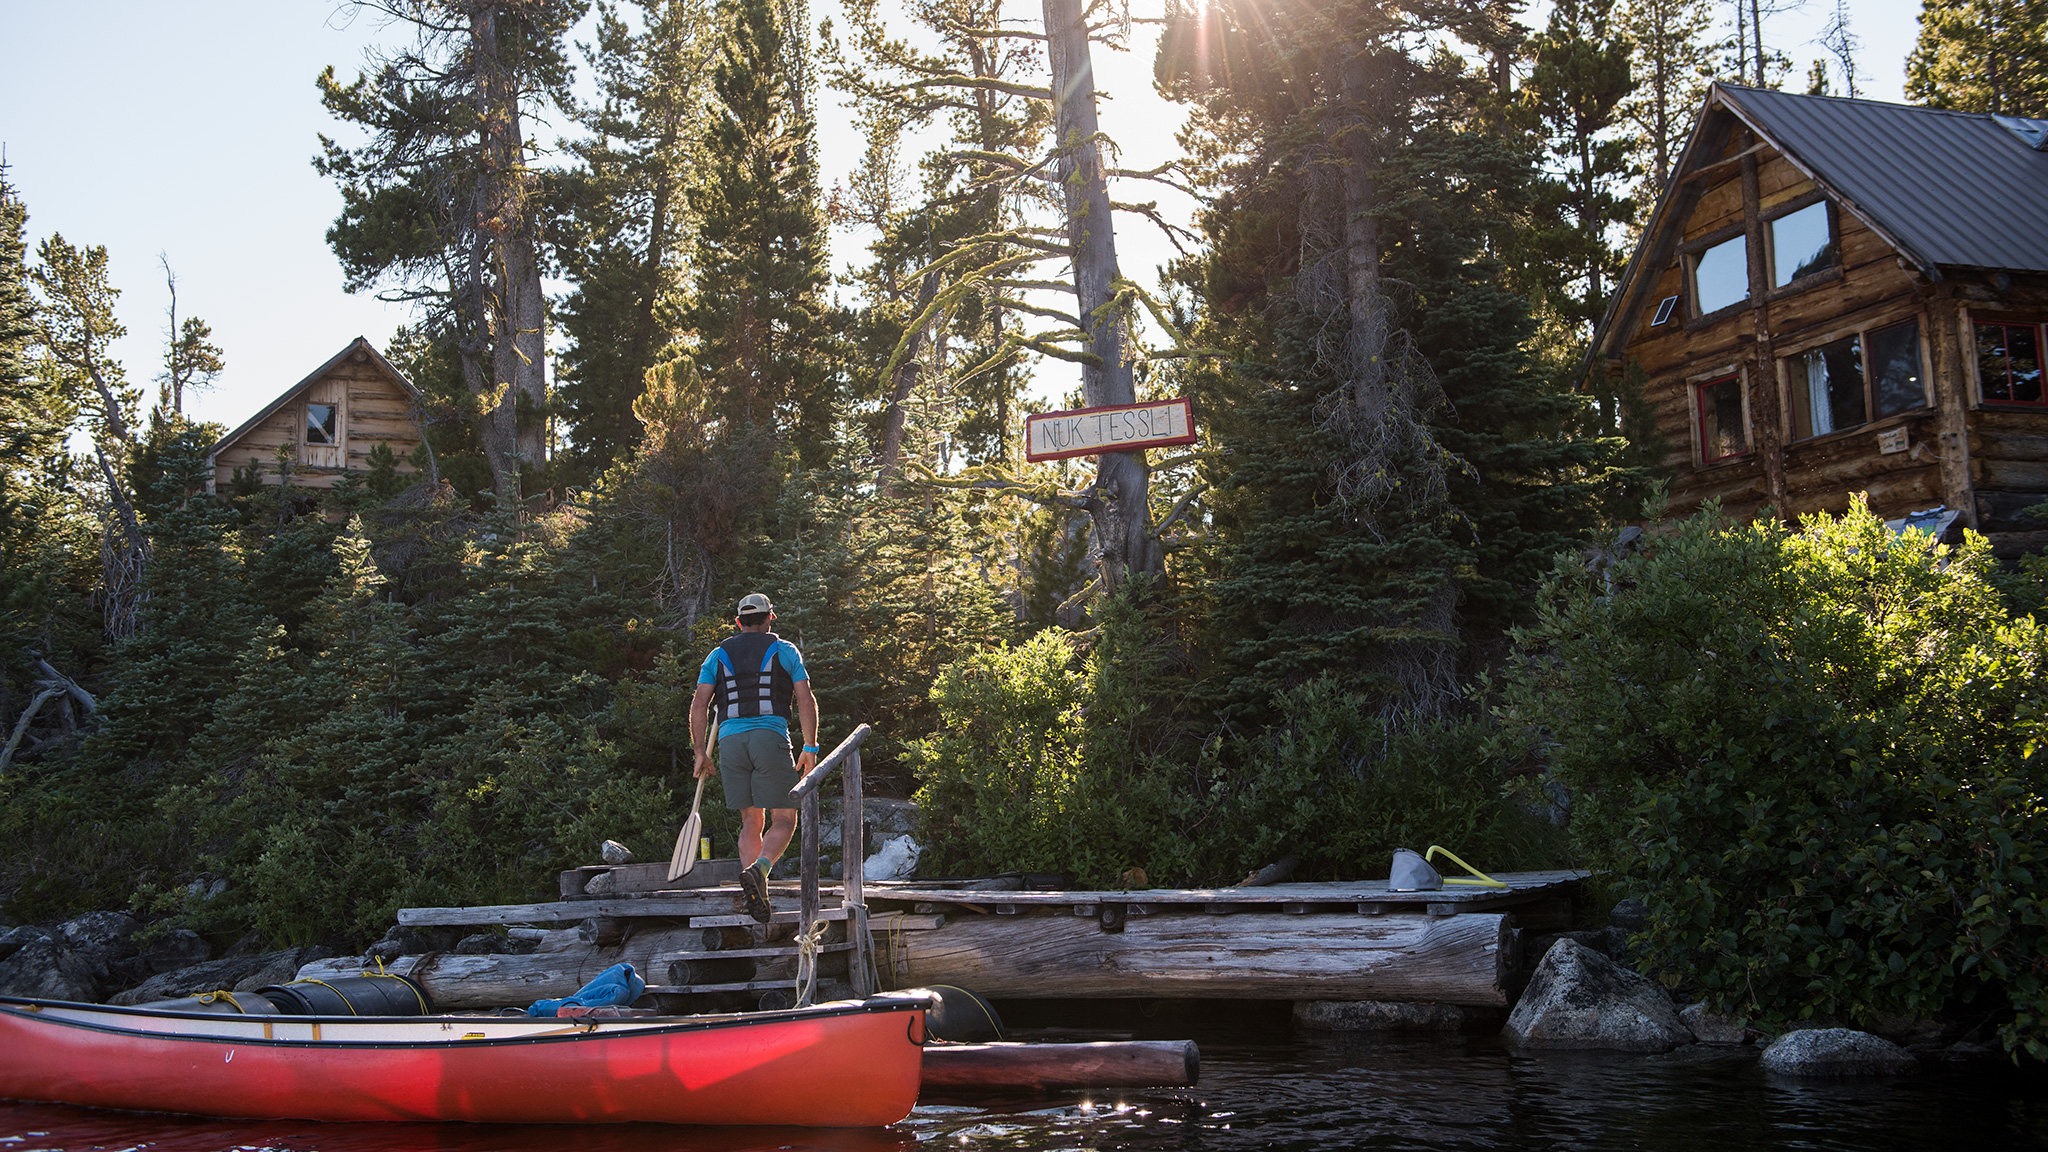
<point x="2009" y="363"/>
<point x="320" y="424"/>
<point x="1896" y="381"/>
<point x="1723" y="432"/>
<point x="1802" y="244"/>
<point x="1827" y="388"/>
<point x="1720" y="276"/>
<point x="1856" y="379"/>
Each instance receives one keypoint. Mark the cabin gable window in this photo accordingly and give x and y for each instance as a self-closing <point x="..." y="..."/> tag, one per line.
<point x="1720" y="276"/>
<point x="1724" y="432"/>
<point x="1858" y="378"/>
<point x="323" y="423"/>
<point x="2009" y="363"/>
<point x="1802" y="244"/>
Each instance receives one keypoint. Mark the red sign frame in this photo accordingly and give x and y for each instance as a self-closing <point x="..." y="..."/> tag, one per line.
<point x="1127" y="445"/>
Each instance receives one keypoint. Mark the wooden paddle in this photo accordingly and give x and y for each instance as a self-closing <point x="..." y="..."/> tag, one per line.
<point x="684" y="857"/>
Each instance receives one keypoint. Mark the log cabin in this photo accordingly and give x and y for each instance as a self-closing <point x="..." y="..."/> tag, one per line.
<point x="1835" y="296"/>
<point x="326" y="425"/>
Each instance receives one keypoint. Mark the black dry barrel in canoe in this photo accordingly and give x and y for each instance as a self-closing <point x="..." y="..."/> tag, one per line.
<point x="365" y="995"/>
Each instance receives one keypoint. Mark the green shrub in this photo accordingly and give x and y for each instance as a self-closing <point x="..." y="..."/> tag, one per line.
<point x="1045" y="762"/>
<point x="1812" y="754"/>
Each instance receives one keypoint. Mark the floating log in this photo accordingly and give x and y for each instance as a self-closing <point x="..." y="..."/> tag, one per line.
<point x="1452" y="960"/>
<point x="1040" y="1067"/>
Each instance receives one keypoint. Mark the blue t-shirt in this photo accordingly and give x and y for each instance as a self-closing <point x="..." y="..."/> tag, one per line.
<point x="792" y="663"/>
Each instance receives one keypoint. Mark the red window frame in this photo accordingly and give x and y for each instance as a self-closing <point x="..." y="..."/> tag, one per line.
<point x="1700" y="402"/>
<point x="2040" y="359"/>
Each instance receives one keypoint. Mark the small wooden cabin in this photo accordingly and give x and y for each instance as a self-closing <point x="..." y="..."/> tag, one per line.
<point x="327" y="424"/>
<point x="1837" y="296"/>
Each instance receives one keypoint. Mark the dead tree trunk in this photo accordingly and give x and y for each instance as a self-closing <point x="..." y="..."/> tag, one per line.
<point x="516" y="307"/>
<point x="906" y="379"/>
<point x="1119" y="504"/>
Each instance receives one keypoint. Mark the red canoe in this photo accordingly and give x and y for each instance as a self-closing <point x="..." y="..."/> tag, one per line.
<point x="842" y="1065"/>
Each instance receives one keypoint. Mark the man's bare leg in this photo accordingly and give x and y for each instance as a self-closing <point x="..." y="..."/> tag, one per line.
<point x="750" y="835"/>
<point x="780" y="831"/>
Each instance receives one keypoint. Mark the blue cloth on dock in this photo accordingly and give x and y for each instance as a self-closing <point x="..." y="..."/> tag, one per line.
<point x="618" y="984"/>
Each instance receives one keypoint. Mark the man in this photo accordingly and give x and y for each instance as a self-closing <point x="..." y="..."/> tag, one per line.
<point x="753" y="679"/>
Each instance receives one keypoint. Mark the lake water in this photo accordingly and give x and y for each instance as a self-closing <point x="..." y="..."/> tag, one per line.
<point x="1265" y="1086"/>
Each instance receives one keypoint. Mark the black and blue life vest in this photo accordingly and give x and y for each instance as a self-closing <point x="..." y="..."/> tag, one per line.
<point x="751" y="681"/>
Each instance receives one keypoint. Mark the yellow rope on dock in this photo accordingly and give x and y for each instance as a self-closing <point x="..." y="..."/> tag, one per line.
<point x="1482" y="881"/>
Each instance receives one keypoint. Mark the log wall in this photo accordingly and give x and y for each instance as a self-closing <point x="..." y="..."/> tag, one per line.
<point x="1987" y="461"/>
<point x="373" y="409"/>
<point x="1871" y="290"/>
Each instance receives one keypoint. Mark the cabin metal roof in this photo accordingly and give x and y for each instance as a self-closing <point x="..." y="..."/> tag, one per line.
<point x="289" y="394"/>
<point x="1954" y="189"/>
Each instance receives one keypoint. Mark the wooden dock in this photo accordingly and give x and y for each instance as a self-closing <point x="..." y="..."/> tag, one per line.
<point x="1353" y="940"/>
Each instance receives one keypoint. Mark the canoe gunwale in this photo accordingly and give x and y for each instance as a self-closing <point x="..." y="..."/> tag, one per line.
<point x="580" y="1031"/>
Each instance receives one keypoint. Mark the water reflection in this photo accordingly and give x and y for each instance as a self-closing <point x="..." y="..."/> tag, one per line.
<point x="1266" y="1087"/>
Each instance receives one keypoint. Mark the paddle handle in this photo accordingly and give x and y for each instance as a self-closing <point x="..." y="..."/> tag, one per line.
<point x="700" y="797"/>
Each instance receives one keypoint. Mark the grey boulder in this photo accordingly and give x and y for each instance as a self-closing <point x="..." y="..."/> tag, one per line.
<point x="178" y="948"/>
<point x="44" y="969"/>
<point x="1581" y="999"/>
<point x="281" y="967"/>
<point x="1836" y="1052"/>
<point x="235" y="974"/>
<point x="191" y="980"/>
<point x="1712" y="1028"/>
<point x="113" y="933"/>
<point x="15" y="939"/>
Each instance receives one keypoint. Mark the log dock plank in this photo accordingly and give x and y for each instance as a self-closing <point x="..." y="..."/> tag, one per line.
<point x="743" y="953"/>
<point x="1520" y="886"/>
<point x="1250" y="955"/>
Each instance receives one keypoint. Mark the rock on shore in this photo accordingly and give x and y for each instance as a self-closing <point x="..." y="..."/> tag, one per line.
<point x="1837" y="1052"/>
<point x="1581" y="999"/>
<point x="235" y="974"/>
<point x="1712" y="1029"/>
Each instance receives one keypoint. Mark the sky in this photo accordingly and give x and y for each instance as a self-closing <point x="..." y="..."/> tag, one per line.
<point x="186" y="129"/>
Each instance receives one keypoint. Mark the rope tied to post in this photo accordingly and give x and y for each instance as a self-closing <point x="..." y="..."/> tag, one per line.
<point x="807" y="948"/>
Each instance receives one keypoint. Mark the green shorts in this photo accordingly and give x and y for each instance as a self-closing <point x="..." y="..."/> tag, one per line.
<point x="757" y="770"/>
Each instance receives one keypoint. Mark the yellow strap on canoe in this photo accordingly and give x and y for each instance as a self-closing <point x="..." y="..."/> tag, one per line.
<point x="222" y="994"/>
<point x="1482" y="881"/>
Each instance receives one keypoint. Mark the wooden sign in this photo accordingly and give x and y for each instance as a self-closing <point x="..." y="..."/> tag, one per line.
<point x="1118" y="428"/>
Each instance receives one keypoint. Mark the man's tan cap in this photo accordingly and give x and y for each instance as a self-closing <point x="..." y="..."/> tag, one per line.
<point x="754" y="602"/>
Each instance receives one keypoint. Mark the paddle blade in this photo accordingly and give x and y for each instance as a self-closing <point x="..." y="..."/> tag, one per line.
<point x="685" y="858"/>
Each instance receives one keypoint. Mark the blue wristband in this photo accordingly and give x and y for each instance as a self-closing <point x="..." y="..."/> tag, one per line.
<point x="811" y="748"/>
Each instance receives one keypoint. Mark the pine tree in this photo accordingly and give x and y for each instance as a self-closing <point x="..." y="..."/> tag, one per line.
<point x="191" y="359"/>
<point x="75" y="334"/>
<point x="1334" y="549"/>
<point x="624" y="232"/>
<point x="48" y="554"/>
<point x="759" y="314"/>
<point x="1673" y="58"/>
<point x="1575" y="88"/>
<point x="1981" y="56"/>
<point x="441" y="203"/>
<point x="952" y="350"/>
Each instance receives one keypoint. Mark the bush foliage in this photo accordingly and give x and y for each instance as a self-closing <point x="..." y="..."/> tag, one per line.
<point x="1047" y="760"/>
<point x="1816" y="755"/>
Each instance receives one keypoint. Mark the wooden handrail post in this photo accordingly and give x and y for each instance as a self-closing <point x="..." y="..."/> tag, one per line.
<point x="853" y="850"/>
<point x="807" y="898"/>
